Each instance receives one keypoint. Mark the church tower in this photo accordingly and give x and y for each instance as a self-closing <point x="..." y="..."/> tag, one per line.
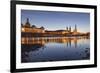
<point x="75" y="30"/>
<point x="66" y="28"/>
<point x="27" y="24"/>
<point x="70" y="29"/>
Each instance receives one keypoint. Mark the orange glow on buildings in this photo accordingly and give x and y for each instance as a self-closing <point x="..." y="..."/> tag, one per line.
<point x="28" y="28"/>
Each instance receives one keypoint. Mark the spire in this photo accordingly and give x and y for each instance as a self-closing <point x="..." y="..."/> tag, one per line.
<point x="27" y="21"/>
<point x="67" y="28"/>
<point x="27" y="24"/>
<point x="75" y="28"/>
<point x="70" y="29"/>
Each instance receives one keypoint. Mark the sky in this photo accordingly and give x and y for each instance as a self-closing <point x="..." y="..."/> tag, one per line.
<point x="52" y="20"/>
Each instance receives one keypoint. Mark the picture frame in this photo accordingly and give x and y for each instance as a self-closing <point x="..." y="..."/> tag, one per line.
<point x="18" y="10"/>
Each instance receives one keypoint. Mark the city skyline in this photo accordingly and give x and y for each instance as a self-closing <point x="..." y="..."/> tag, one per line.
<point x="60" y="20"/>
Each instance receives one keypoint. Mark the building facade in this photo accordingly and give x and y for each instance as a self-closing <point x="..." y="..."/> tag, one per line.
<point x="32" y="29"/>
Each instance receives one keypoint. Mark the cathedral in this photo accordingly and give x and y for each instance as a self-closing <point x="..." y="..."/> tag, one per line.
<point x="28" y="28"/>
<point x="31" y="29"/>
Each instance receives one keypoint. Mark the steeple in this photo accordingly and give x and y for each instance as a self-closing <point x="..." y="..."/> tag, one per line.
<point x="70" y="29"/>
<point x="27" y="24"/>
<point x="27" y="21"/>
<point x="67" y="28"/>
<point x="75" y="28"/>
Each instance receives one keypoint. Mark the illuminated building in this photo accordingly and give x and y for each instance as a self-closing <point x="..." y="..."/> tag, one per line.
<point x="31" y="30"/>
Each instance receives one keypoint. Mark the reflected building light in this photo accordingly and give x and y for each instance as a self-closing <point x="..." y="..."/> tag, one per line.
<point x="75" y="42"/>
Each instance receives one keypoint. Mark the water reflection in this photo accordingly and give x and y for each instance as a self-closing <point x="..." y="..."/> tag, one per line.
<point x="40" y="49"/>
<point x="45" y="40"/>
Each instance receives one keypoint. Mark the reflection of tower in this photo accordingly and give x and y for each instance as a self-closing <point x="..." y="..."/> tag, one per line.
<point x="75" y="42"/>
<point x="67" y="43"/>
<point x="70" y="42"/>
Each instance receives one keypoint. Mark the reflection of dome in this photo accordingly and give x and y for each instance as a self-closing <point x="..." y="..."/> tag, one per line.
<point x="33" y="26"/>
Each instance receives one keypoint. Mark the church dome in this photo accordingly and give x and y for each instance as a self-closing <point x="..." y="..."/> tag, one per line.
<point x="33" y="26"/>
<point x="42" y="27"/>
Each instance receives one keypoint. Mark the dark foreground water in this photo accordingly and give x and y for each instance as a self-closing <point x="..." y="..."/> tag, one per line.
<point x="43" y="49"/>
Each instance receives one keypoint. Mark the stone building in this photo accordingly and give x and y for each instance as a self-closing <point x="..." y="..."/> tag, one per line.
<point x="32" y="30"/>
<point x="27" y="27"/>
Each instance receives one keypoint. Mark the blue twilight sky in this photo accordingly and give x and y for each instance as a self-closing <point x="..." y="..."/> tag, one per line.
<point x="52" y="20"/>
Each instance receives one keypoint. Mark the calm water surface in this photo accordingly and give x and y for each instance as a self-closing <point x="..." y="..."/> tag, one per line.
<point x="40" y="49"/>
